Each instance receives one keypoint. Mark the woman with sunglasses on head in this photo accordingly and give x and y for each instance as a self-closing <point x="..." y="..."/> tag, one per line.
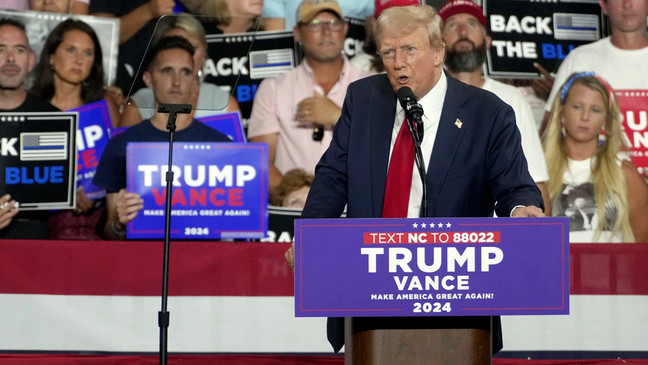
<point x="590" y="180"/>
<point x="69" y="74"/>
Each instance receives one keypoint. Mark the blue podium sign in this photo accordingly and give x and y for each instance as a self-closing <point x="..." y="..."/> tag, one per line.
<point x="431" y="267"/>
<point x="220" y="190"/>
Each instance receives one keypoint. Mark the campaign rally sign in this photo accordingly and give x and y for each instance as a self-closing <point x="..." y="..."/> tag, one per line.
<point x="243" y="60"/>
<point x="220" y="190"/>
<point x="38" y="164"/>
<point x="634" y="108"/>
<point x="228" y="124"/>
<point x="92" y="137"/>
<point x="527" y="31"/>
<point x="431" y="267"/>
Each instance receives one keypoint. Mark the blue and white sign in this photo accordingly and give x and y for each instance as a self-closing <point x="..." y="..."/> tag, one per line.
<point x="220" y="190"/>
<point x="431" y="267"/>
<point x="92" y="137"/>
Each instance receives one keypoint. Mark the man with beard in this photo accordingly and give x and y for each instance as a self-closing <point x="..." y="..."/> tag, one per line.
<point x="466" y="40"/>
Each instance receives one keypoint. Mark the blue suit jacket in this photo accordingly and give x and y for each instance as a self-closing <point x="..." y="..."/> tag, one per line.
<point x="471" y="168"/>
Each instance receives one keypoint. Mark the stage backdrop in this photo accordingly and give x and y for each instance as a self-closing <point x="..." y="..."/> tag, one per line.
<point x="236" y="298"/>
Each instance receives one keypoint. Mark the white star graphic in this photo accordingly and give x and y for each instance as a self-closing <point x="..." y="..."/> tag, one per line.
<point x="431" y="225"/>
<point x="414" y="225"/>
<point x="448" y="225"/>
<point x="423" y="225"/>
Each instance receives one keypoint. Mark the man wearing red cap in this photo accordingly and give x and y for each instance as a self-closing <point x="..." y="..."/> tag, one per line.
<point x="465" y="33"/>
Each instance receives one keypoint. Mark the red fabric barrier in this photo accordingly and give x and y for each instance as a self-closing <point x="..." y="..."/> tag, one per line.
<point x="255" y="360"/>
<point x="251" y="268"/>
<point x="135" y="268"/>
<point x="619" y="269"/>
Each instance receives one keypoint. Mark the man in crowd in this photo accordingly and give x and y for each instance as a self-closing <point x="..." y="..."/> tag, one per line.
<point x="620" y="59"/>
<point x="16" y="61"/>
<point x="470" y="143"/>
<point x="295" y="113"/>
<point x="171" y="76"/>
<point x="466" y="44"/>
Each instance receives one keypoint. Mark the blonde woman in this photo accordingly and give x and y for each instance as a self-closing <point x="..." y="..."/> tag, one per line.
<point x="590" y="180"/>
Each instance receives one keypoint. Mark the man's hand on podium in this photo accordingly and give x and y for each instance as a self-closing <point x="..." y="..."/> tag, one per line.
<point x="528" y="211"/>
<point x="290" y="256"/>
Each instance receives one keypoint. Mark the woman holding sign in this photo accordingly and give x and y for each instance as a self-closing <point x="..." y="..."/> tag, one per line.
<point x="590" y="180"/>
<point x="69" y="74"/>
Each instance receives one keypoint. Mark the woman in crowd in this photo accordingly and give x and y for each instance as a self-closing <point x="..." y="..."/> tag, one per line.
<point x="79" y="7"/>
<point x="293" y="189"/>
<point x="232" y="16"/>
<point x="70" y="74"/>
<point x="209" y="99"/>
<point x="590" y="180"/>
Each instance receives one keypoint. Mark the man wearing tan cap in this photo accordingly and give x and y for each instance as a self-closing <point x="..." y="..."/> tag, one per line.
<point x="295" y="112"/>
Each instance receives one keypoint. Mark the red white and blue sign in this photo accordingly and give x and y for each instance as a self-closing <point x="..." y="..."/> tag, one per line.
<point x="431" y="267"/>
<point x="220" y="190"/>
<point x="229" y="124"/>
<point x="92" y="137"/>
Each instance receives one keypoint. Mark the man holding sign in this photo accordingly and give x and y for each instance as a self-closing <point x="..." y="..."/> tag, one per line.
<point x="170" y="74"/>
<point x="16" y="61"/>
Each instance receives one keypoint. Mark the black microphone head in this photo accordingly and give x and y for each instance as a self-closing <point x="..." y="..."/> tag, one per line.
<point x="407" y="99"/>
<point x="405" y="96"/>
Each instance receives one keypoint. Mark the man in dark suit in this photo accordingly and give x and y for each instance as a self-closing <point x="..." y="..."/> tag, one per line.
<point x="470" y="144"/>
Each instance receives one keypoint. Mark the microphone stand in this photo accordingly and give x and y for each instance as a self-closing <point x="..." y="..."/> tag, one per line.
<point x="417" y="136"/>
<point x="163" y="315"/>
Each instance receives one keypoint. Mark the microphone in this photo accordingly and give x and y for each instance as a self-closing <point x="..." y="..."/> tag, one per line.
<point x="414" y="114"/>
<point x="413" y="110"/>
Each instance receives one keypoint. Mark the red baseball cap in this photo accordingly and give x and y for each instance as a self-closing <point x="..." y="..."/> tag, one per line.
<point x="462" y="6"/>
<point x="386" y="4"/>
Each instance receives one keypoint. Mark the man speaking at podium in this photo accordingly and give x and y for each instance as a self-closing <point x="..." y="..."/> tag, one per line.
<point x="470" y="145"/>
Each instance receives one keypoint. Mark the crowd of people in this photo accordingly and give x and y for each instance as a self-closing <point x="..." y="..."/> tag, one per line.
<point x="577" y="159"/>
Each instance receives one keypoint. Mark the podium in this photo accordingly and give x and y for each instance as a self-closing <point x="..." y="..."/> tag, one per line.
<point x="428" y="290"/>
<point x="390" y="341"/>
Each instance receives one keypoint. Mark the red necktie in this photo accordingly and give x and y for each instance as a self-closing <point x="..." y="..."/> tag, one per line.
<point x="399" y="176"/>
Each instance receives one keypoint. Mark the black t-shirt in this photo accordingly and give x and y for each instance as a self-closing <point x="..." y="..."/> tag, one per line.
<point x="33" y="103"/>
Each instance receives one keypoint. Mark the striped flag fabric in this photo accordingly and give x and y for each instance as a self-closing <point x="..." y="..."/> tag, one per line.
<point x="581" y="27"/>
<point x="43" y="146"/>
<point x="236" y="298"/>
<point x="270" y="63"/>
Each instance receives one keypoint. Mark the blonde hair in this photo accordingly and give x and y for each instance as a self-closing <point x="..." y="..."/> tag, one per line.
<point x="406" y="19"/>
<point x="607" y="175"/>
<point x="292" y="180"/>
<point x="184" y="21"/>
<point x="219" y="11"/>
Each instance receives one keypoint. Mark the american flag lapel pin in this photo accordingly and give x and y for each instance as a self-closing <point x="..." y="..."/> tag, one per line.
<point x="458" y="123"/>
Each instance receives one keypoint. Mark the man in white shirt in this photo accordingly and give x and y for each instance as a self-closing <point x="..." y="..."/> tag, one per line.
<point x="466" y="44"/>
